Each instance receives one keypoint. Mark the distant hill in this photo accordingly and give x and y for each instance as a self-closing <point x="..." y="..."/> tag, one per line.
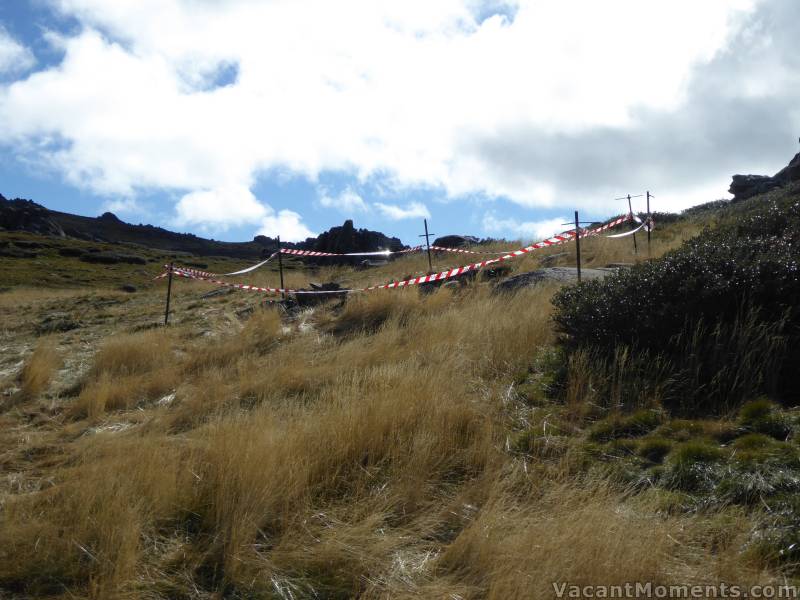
<point x="28" y="216"/>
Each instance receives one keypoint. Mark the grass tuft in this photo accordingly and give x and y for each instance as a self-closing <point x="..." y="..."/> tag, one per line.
<point x="39" y="369"/>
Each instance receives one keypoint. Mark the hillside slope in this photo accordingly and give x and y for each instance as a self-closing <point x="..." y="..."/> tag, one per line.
<point x="27" y="216"/>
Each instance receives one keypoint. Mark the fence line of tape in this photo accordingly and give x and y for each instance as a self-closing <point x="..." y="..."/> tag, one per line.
<point x="562" y="238"/>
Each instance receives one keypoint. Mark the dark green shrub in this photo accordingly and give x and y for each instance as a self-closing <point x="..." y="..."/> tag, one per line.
<point x="654" y="449"/>
<point x="695" y="452"/>
<point x="723" y="310"/>
<point x="621" y="426"/>
<point x="755" y="410"/>
<point x="762" y="416"/>
<point x="621" y="447"/>
<point x="692" y="467"/>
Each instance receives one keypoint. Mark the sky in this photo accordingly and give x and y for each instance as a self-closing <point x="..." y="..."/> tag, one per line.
<point x="232" y="118"/>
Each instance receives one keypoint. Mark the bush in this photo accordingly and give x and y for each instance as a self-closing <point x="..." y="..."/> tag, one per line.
<point x="762" y="416"/>
<point x="728" y="300"/>
<point x="654" y="449"/>
<point x="639" y="423"/>
<point x="691" y="466"/>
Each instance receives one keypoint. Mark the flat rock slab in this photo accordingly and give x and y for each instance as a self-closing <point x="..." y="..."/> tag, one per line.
<point x="561" y="274"/>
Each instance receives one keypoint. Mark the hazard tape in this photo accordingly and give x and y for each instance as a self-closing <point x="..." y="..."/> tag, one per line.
<point x="627" y="233"/>
<point x="294" y="252"/>
<point x="178" y="272"/>
<point x="442" y="276"/>
<point x="462" y="251"/>
<point x="207" y="274"/>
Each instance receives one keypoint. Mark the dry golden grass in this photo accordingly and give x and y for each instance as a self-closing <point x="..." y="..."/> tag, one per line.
<point x="128" y="369"/>
<point x="357" y="451"/>
<point x="588" y="536"/>
<point x="39" y="369"/>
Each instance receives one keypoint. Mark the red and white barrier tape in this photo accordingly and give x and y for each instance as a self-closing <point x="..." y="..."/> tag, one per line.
<point x="294" y="252"/>
<point x="450" y="273"/>
<point x="253" y="288"/>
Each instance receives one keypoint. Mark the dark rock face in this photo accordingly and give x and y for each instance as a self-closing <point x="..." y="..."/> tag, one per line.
<point x="25" y="215"/>
<point x="349" y="239"/>
<point x="109" y="217"/>
<point x="747" y="186"/>
<point x="790" y="172"/>
<point x="456" y="241"/>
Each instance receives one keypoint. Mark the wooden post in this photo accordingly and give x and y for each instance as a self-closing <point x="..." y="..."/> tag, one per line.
<point x="630" y="212"/>
<point x="280" y="267"/>
<point x="169" y="295"/>
<point x="427" y="237"/>
<point x="578" y="245"/>
<point x="648" y="224"/>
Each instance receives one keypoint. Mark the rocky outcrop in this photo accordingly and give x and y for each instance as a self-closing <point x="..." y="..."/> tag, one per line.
<point x="456" y="241"/>
<point x="790" y="172"/>
<point x="347" y="238"/>
<point x="25" y="215"/>
<point x="747" y="186"/>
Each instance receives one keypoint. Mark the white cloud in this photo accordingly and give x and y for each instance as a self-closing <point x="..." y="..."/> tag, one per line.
<point x="122" y="206"/>
<point x="14" y="57"/>
<point x="231" y="205"/>
<point x="414" y="210"/>
<point x="287" y="224"/>
<point x="346" y="201"/>
<point x="397" y="91"/>
<point x="535" y="230"/>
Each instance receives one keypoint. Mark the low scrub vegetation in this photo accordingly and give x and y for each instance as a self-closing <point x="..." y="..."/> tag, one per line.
<point x="718" y="317"/>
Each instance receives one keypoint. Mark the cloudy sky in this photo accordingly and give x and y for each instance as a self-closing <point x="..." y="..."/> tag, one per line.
<point x="236" y="117"/>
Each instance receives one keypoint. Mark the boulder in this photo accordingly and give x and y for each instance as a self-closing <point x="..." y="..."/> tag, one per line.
<point x="456" y="241"/>
<point x="304" y="300"/>
<point x="558" y="274"/>
<point x="57" y="323"/>
<point x="747" y="186"/>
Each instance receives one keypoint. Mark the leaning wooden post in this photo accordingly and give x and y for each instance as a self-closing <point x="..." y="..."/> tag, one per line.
<point x="649" y="224"/>
<point x="169" y="295"/>
<point x="630" y="212"/>
<point x="428" y="244"/>
<point x="280" y="267"/>
<point x="578" y="245"/>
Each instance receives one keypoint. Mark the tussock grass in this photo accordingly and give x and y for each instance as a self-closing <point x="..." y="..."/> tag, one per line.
<point x="89" y="532"/>
<point x="258" y="335"/>
<point x="583" y="537"/>
<point x="370" y="453"/>
<point x="127" y="370"/>
<point x="38" y="370"/>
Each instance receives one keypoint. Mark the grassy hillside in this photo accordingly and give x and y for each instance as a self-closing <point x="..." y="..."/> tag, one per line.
<point x="398" y="445"/>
